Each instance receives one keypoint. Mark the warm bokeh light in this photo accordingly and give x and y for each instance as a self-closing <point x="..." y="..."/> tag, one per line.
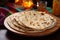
<point x="16" y="1"/>
<point x="24" y="3"/>
<point x="27" y="4"/>
<point x="56" y="7"/>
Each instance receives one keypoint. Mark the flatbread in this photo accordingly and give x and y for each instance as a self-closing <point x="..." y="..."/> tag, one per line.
<point x="31" y="21"/>
<point x="37" y="20"/>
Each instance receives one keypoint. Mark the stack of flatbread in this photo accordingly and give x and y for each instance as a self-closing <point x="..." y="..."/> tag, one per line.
<point x="31" y="21"/>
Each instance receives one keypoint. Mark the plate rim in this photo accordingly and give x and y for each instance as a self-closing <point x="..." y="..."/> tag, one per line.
<point x="6" y="25"/>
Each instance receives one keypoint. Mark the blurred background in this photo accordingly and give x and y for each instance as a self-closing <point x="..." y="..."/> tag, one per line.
<point x="3" y="2"/>
<point x="8" y="7"/>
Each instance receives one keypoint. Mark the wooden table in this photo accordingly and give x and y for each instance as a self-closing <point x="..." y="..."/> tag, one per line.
<point x="5" y="34"/>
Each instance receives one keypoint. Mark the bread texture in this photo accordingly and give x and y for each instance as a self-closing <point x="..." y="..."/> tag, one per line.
<point x="31" y="21"/>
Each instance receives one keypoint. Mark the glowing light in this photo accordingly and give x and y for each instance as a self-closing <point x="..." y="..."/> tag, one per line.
<point x="27" y="4"/>
<point x="16" y="1"/>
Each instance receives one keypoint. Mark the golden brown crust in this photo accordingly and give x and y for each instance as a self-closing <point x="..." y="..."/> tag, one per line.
<point x="46" y="32"/>
<point x="28" y="29"/>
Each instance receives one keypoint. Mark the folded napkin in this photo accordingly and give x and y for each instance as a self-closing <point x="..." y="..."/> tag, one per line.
<point x="2" y="17"/>
<point x="3" y="14"/>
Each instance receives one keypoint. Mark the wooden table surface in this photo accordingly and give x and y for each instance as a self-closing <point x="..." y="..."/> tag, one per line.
<point x="5" y="34"/>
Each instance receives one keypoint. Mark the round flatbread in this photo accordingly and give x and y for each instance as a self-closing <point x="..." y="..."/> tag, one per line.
<point x="31" y="21"/>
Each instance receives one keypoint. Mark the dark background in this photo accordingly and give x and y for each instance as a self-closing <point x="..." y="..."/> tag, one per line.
<point x="2" y="2"/>
<point x="49" y="2"/>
